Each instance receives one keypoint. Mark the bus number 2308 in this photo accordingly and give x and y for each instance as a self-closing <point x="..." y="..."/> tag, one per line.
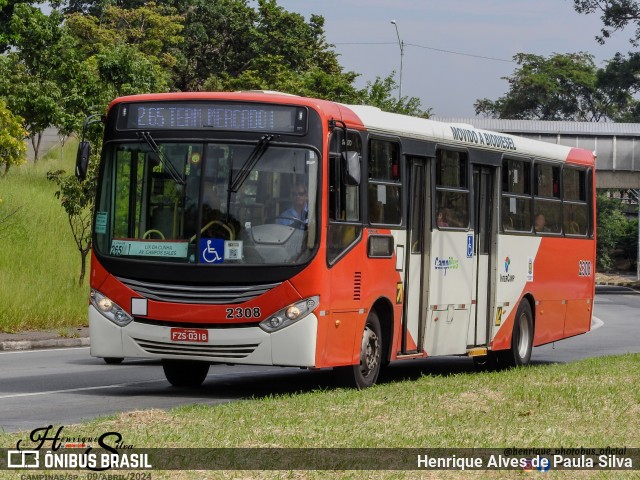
<point x="243" y="313"/>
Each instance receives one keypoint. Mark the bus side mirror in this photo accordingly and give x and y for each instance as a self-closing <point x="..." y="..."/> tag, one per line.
<point x="82" y="160"/>
<point x="351" y="166"/>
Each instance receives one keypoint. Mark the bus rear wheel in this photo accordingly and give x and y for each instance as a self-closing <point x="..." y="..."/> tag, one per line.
<point x="365" y="374"/>
<point x="521" y="339"/>
<point x="185" y="373"/>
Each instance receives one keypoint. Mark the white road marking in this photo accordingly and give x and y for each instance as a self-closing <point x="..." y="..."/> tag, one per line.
<point x="81" y="389"/>
<point x="596" y="323"/>
<point x="10" y="352"/>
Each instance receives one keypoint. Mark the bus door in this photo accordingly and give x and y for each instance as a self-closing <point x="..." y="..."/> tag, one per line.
<point x="484" y="236"/>
<point x="450" y="262"/>
<point x="415" y="280"/>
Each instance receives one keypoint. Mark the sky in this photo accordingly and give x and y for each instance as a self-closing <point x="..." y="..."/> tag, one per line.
<point x="450" y="83"/>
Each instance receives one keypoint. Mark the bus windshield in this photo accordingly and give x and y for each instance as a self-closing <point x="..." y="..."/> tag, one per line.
<point x="208" y="203"/>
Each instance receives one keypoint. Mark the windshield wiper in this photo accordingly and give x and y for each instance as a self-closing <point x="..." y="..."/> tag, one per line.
<point x="146" y="136"/>
<point x="248" y="164"/>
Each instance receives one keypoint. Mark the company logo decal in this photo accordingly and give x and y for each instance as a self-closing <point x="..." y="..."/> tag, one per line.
<point x="507" y="277"/>
<point x="445" y="264"/>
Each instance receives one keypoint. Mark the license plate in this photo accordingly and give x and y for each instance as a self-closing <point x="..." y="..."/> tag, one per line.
<point x="189" y="335"/>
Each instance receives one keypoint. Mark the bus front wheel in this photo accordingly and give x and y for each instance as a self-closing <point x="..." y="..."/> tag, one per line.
<point x="521" y="338"/>
<point x="365" y="374"/>
<point x="185" y="373"/>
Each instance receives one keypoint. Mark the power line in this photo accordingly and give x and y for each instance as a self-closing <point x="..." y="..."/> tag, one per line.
<point x="366" y="43"/>
<point x="461" y="53"/>
<point x="453" y="52"/>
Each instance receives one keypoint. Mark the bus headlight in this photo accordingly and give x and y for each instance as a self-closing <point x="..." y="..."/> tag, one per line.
<point x="290" y="314"/>
<point x="109" y="309"/>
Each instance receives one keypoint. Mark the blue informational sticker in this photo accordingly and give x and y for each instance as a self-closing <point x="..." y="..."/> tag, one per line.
<point x="211" y="250"/>
<point x="470" y="245"/>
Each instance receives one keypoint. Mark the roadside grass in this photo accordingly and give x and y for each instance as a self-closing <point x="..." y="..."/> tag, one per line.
<point x="591" y="403"/>
<point x="39" y="264"/>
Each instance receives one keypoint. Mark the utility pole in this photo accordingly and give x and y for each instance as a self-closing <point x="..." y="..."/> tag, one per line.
<point x="401" y="45"/>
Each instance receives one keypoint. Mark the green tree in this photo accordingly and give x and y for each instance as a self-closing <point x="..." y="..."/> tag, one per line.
<point x="154" y="30"/>
<point x="113" y="61"/>
<point x="561" y="87"/>
<point x="7" y="36"/>
<point x="218" y="40"/>
<point x="619" y="80"/>
<point x="615" y="15"/>
<point x="380" y="94"/>
<point x="628" y="242"/>
<point x="77" y="199"/>
<point x="12" y="134"/>
<point x="611" y="226"/>
<point x="28" y="73"/>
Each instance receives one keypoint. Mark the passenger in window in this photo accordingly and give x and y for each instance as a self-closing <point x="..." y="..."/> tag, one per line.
<point x="456" y="216"/>
<point x="573" y="228"/>
<point x="540" y="223"/>
<point x="296" y="215"/>
<point x="507" y="223"/>
<point x="441" y="219"/>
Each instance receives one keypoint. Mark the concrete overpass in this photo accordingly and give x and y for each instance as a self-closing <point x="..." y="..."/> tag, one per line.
<point x="617" y="145"/>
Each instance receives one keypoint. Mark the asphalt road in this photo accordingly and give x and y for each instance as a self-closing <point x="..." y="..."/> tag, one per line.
<point x="66" y="386"/>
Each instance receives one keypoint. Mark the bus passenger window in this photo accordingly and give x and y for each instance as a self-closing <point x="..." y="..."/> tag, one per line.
<point x="516" y="196"/>
<point x="452" y="190"/>
<point x="384" y="190"/>
<point x="575" y="209"/>
<point x="547" y="203"/>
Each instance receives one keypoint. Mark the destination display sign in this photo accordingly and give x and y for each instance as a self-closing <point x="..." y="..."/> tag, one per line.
<point x="225" y="116"/>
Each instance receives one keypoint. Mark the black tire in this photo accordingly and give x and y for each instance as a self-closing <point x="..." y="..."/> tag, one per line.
<point x="365" y="374"/>
<point x="521" y="339"/>
<point x="185" y="373"/>
<point x="113" y="360"/>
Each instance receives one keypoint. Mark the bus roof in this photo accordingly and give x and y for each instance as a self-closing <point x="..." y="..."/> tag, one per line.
<point x="375" y="120"/>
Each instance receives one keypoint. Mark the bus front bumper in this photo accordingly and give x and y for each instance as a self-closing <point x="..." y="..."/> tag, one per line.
<point x="294" y="345"/>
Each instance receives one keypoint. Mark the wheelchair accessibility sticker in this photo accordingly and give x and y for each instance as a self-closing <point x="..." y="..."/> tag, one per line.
<point x="216" y="250"/>
<point x="211" y="250"/>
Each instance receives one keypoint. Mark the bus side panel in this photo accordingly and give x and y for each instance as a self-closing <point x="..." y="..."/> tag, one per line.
<point x="561" y="282"/>
<point x="564" y="288"/>
<point x="342" y="314"/>
<point x="515" y="266"/>
<point x="578" y="319"/>
<point x="355" y="282"/>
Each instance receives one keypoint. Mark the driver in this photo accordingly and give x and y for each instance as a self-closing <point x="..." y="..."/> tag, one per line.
<point x="296" y="215"/>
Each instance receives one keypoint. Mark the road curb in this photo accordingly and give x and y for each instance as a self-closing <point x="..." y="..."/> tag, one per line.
<point x="616" y="288"/>
<point x="20" y="345"/>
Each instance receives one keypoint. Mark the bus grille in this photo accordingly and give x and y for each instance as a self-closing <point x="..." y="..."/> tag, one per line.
<point x="222" y="351"/>
<point x="197" y="294"/>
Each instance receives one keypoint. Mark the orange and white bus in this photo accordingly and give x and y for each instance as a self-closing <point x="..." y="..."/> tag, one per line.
<point x="270" y="229"/>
